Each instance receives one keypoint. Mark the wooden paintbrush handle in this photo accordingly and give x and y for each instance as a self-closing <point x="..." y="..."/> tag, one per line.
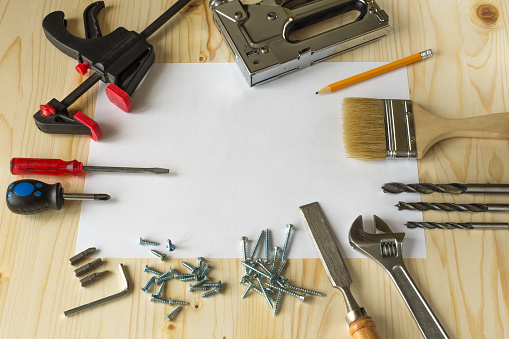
<point x="364" y="328"/>
<point x="491" y="126"/>
<point x="430" y="129"/>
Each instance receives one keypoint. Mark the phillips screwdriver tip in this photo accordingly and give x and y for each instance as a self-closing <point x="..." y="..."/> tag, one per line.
<point x="102" y="197"/>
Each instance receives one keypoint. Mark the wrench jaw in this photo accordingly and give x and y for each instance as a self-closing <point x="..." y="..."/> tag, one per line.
<point x="384" y="246"/>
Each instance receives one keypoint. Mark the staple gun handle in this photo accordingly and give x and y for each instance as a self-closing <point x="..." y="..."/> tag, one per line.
<point x="316" y="11"/>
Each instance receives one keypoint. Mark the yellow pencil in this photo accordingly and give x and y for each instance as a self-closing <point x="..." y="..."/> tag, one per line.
<point x="377" y="71"/>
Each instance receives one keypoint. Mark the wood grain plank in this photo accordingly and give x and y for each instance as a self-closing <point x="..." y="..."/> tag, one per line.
<point x="465" y="277"/>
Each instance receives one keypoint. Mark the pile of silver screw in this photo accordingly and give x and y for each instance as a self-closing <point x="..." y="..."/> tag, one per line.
<point x="264" y="275"/>
<point x="198" y="274"/>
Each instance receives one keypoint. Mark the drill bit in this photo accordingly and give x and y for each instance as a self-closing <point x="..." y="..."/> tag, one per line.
<point x="451" y="207"/>
<point x="454" y="188"/>
<point x="458" y="225"/>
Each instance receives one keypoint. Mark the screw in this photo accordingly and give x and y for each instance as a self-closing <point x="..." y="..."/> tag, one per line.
<point x="163" y="279"/>
<point x="200" y="263"/>
<point x="301" y="297"/>
<point x="278" y="302"/>
<point x="192" y="277"/>
<point x="170" y="270"/>
<point x="300" y="289"/>
<point x="209" y="293"/>
<point x="280" y="270"/>
<point x="216" y="285"/>
<point x="157" y="298"/>
<point x="256" y="270"/>
<point x="161" y="289"/>
<point x="206" y="267"/>
<point x="277" y="249"/>
<point x="147" y="286"/>
<point x="193" y="270"/>
<point x="148" y="269"/>
<point x="244" y="249"/>
<point x="201" y="281"/>
<point x="258" y="242"/>
<point x="265" y="268"/>
<point x="257" y="277"/>
<point x="271" y="16"/>
<point x="170" y="247"/>
<point x="238" y="15"/>
<point x="159" y="255"/>
<point x="257" y="290"/>
<point x="267" y="246"/>
<point x="198" y="288"/>
<point x="287" y="240"/>
<point x="250" y="285"/>
<point x="172" y="313"/>
<point x="148" y="242"/>
<point x="281" y="279"/>
<point x="245" y="279"/>
<point x="184" y="275"/>
<point x="177" y="302"/>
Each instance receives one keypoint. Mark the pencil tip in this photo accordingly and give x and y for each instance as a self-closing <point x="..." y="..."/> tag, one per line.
<point x="316" y="93"/>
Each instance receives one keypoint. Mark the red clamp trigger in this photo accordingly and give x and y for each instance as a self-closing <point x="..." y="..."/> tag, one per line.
<point x="82" y="68"/>
<point x="47" y="110"/>
<point x="90" y="123"/>
<point x="119" y="97"/>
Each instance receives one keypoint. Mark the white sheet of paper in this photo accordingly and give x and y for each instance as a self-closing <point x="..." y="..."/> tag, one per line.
<point x="243" y="159"/>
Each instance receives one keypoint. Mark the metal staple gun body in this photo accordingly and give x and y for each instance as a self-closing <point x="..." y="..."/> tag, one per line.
<point x="259" y="35"/>
<point x="385" y="247"/>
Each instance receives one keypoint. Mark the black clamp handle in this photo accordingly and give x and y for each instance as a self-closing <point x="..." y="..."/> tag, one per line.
<point x="121" y="58"/>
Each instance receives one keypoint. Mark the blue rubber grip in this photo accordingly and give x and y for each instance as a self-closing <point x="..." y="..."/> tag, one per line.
<point x="33" y="196"/>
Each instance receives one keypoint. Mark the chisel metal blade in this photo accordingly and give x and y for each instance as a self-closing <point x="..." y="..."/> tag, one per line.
<point x="322" y="235"/>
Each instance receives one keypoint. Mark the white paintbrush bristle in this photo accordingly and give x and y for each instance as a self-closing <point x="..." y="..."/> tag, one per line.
<point x="364" y="128"/>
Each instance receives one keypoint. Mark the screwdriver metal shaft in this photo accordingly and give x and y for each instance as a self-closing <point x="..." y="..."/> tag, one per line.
<point x="85" y="196"/>
<point x="454" y="188"/>
<point x="155" y="170"/>
<point x="458" y="225"/>
<point x="451" y="207"/>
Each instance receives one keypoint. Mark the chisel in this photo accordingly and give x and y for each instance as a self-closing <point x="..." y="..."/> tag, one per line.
<point x="361" y="325"/>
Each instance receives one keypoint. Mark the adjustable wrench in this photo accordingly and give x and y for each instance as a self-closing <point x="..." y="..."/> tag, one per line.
<point x="385" y="247"/>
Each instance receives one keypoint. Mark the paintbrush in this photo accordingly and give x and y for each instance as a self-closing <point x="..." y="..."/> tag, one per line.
<point x="376" y="129"/>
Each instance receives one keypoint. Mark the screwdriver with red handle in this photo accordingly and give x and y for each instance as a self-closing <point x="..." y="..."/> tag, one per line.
<point x="74" y="167"/>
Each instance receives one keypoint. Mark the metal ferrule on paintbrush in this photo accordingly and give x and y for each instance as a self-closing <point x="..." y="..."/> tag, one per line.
<point x="399" y="129"/>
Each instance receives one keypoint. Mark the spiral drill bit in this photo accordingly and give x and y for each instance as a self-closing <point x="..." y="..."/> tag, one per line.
<point x="454" y="188"/>
<point x="451" y="207"/>
<point x="458" y="225"/>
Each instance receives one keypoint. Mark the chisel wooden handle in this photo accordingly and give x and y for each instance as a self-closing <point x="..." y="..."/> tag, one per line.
<point x="364" y="328"/>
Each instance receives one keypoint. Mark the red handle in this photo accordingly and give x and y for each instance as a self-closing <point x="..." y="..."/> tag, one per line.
<point x="45" y="166"/>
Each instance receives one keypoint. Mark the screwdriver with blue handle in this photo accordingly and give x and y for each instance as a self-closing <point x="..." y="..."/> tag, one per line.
<point x="32" y="196"/>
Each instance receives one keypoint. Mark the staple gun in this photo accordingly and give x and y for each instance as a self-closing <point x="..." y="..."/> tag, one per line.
<point x="259" y="35"/>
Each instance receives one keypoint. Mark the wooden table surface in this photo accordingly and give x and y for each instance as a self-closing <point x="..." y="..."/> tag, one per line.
<point x="465" y="277"/>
